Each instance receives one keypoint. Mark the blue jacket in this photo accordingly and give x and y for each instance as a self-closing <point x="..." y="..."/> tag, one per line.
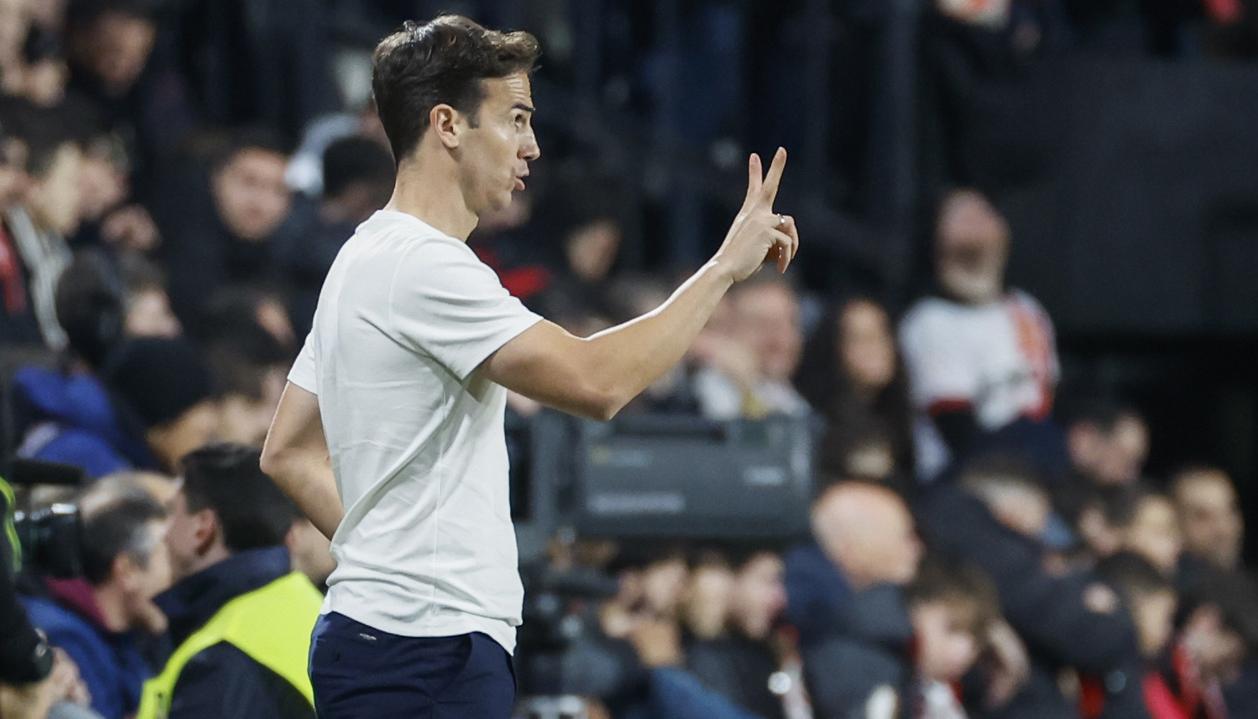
<point x="817" y="594"/>
<point x="71" y="419"/>
<point x="110" y="664"/>
<point x="223" y="681"/>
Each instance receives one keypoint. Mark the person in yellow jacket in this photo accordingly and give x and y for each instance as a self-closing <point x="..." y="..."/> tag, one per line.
<point x="239" y="618"/>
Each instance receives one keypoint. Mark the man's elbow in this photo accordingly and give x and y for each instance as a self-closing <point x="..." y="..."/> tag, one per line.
<point x="602" y="403"/>
<point x="272" y="460"/>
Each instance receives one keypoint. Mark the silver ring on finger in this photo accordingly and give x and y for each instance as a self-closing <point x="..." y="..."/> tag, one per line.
<point x="781" y="219"/>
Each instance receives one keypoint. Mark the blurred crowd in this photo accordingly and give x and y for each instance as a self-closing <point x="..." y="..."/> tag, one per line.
<point x="175" y="180"/>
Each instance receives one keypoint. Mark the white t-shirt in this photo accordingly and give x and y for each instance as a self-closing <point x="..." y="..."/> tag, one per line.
<point x="997" y="359"/>
<point x="426" y="547"/>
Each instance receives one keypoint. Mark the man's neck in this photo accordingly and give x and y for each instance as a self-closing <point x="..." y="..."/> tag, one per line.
<point x="214" y="555"/>
<point x="429" y="189"/>
<point x="112" y="607"/>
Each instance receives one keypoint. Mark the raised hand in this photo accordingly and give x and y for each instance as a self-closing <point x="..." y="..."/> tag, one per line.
<point x="758" y="234"/>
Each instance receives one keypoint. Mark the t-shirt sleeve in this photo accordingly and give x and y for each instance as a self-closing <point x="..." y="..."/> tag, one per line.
<point x="303" y="372"/>
<point x="447" y="303"/>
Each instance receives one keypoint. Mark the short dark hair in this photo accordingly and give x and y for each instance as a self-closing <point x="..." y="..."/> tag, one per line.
<point x="442" y="61"/>
<point x="225" y="148"/>
<point x="251" y="510"/>
<point x="958" y="584"/>
<point x="355" y="159"/>
<point x="119" y="527"/>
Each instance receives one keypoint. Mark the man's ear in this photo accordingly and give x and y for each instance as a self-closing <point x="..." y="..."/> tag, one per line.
<point x="206" y="531"/>
<point x="447" y="123"/>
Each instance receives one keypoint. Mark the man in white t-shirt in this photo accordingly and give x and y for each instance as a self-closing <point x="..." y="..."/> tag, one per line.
<point x="390" y="432"/>
<point x="979" y="357"/>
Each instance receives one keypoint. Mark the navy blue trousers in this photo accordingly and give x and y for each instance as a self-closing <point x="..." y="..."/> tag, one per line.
<point x="360" y="671"/>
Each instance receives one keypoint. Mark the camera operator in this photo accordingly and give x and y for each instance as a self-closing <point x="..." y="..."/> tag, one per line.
<point x="33" y="677"/>
<point x="94" y="618"/>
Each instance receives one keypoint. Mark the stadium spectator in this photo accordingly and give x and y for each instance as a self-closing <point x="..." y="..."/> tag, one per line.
<point x="152" y="405"/>
<point x="15" y="21"/>
<point x="846" y="594"/>
<point x="44" y="72"/>
<point x="357" y="180"/>
<point x="850" y="373"/>
<point x="1151" y="530"/>
<point x="109" y="45"/>
<point x="954" y="611"/>
<point x="94" y="618"/>
<point x="18" y="324"/>
<point x="980" y="357"/>
<point x="221" y="229"/>
<point x="1209" y="517"/>
<point x="49" y="213"/>
<point x="1108" y="444"/>
<point x="248" y="367"/>
<point x="739" y="663"/>
<point x="147" y="304"/>
<point x="748" y="374"/>
<point x="1065" y="619"/>
<point x="705" y="601"/>
<point x="1216" y="629"/>
<point x="1150" y="600"/>
<point x="240" y="618"/>
<point x="1009" y="488"/>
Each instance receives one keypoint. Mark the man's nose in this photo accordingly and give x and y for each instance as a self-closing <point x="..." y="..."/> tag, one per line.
<point x="530" y="150"/>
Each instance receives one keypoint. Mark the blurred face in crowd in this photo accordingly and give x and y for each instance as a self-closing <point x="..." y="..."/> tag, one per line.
<point x="244" y="419"/>
<point x="662" y="585"/>
<point x="14" y="21"/>
<point x="868" y="532"/>
<point x="866" y="346"/>
<point x="1154" y="533"/>
<point x="493" y="156"/>
<point x="767" y="321"/>
<point x="54" y="197"/>
<point x="1210" y="518"/>
<point x="101" y="185"/>
<point x="946" y="642"/>
<point x="1110" y="458"/>
<point x="591" y="249"/>
<point x="116" y="48"/>
<point x="758" y="595"/>
<point x="707" y="598"/>
<point x="193" y="539"/>
<point x="1216" y="649"/>
<point x="44" y="82"/>
<point x="1154" y="616"/>
<point x="1023" y="509"/>
<point x="149" y="315"/>
<point x="972" y="245"/>
<point x="250" y="193"/>
<point x="191" y="430"/>
<point x="13" y="177"/>
<point x="139" y="581"/>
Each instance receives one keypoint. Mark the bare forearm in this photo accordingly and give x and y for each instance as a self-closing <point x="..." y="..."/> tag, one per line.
<point x="626" y="359"/>
<point x="309" y="482"/>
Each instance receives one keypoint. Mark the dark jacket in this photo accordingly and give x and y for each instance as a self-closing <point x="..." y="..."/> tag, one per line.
<point x="816" y="593"/>
<point x="853" y="642"/>
<point x="739" y="668"/>
<point x="223" y="681"/>
<point x="24" y="655"/>
<point x="70" y="418"/>
<point x="109" y="663"/>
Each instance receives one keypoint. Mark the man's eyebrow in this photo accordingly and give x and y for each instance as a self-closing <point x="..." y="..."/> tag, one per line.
<point x="521" y="106"/>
